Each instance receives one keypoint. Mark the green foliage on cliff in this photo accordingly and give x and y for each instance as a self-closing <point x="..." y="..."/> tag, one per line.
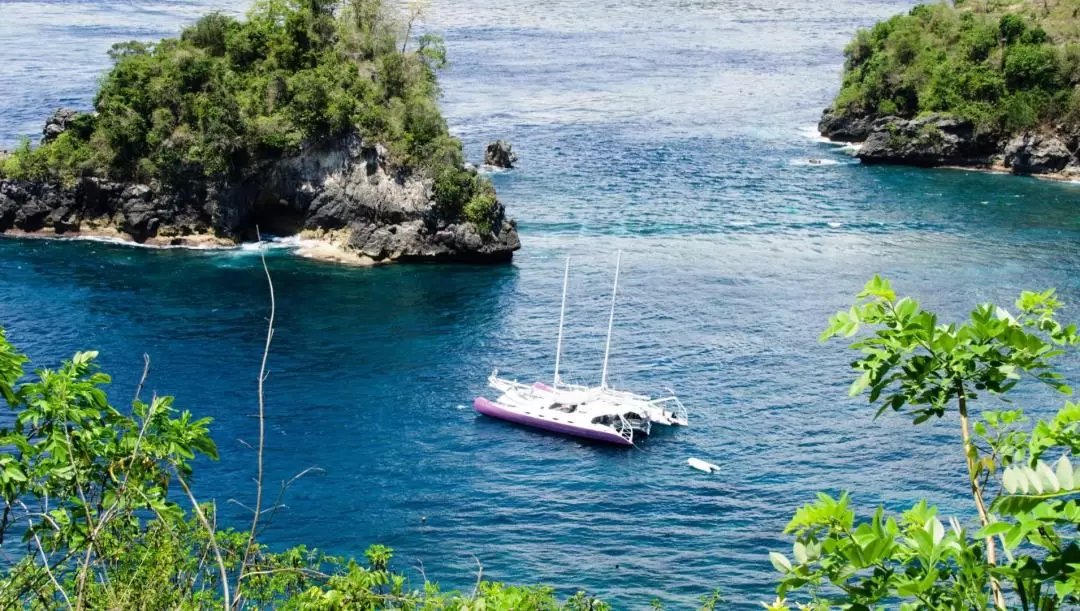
<point x="1002" y="70"/>
<point x="228" y="95"/>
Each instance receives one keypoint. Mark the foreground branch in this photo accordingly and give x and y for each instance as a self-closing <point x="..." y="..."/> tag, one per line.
<point x="262" y="429"/>
<point x="977" y="492"/>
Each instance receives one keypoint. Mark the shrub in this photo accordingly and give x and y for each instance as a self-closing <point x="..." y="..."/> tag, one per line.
<point x="1020" y="478"/>
<point x="1032" y="66"/>
<point x="998" y="72"/>
<point x="211" y="33"/>
<point x="1011" y="27"/>
<point x="482" y="210"/>
<point x="95" y="492"/>
<point x="453" y="188"/>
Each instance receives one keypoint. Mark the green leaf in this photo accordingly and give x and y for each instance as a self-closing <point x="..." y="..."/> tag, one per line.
<point x="780" y="562"/>
<point x="1064" y="471"/>
<point x="1046" y="477"/>
<point x="994" y="529"/>
<point x="799" y="551"/>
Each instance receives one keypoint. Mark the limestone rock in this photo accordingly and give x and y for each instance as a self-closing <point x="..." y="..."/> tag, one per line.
<point x="1033" y="153"/>
<point x="499" y="154"/>
<point x="844" y="127"/>
<point x="931" y="140"/>
<point x="57" y="123"/>
<point x="385" y="211"/>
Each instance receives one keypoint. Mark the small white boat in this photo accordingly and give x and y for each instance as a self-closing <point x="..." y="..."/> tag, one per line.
<point x="701" y="465"/>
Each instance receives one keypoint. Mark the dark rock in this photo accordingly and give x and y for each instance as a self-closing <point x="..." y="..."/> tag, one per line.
<point x="845" y="127"/>
<point x="63" y="219"/>
<point x="31" y="215"/>
<point x="57" y="123"/>
<point x="931" y="140"/>
<point x="385" y="212"/>
<point x="499" y="154"/>
<point x="1033" y="153"/>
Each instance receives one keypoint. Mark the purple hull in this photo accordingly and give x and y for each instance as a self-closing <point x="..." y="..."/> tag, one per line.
<point x="493" y="410"/>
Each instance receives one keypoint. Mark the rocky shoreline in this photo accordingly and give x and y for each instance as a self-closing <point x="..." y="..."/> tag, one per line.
<point x="938" y="140"/>
<point x="345" y="195"/>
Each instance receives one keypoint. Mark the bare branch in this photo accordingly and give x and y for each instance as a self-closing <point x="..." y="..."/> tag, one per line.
<point x="145" y="374"/>
<point x="281" y="493"/>
<point x="289" y="569"/>
<point x="479" y="576"/>
<point x="213" y="538"/>
<point x="262" y="425"/>
<point x="236" y="502"/>
<point x="45" y="560"/>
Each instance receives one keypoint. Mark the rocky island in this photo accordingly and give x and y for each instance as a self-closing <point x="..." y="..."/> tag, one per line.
<point x="965" y="86"/>
<point x="313" y="119"/>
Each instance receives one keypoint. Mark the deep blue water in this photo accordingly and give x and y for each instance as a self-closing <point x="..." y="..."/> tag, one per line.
<point x="673" y="130"/>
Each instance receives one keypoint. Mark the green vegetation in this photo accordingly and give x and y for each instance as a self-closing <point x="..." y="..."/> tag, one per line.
<point x="1004" y="71"/>
<point x="93" y="492"/>
<point x="103" y="502"/>
<point x="1022" y="479"/>
<point x="227" y="96"/>
<point x="103" y="499"/>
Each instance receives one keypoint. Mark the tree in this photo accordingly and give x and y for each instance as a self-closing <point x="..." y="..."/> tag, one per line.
<point x="1027" y="509"/>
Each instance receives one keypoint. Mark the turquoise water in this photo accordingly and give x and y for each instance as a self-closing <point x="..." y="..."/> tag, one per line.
<point x="675" y="131"/>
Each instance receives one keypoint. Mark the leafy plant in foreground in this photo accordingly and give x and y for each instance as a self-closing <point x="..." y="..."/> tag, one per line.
<point x="92" y="492"/>
<point x="1022" y="481"/>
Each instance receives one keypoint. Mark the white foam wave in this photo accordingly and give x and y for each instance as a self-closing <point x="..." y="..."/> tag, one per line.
<point x="810" y="132"/>
<point x="814" y="161"/>
<point x="269" y="242"/>
<point x="118" y="241"/>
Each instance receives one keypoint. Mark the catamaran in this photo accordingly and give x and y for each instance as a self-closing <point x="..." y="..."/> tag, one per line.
<point x="666" y="410"/>
<point x="618" y="414"/>
<point x="597" y="420"/>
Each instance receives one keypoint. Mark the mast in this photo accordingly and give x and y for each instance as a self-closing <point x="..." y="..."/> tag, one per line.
<point x="562" y="316"/>
<point x="611" y="322"/>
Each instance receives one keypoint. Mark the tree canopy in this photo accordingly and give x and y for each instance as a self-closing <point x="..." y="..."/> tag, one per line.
<point x="229" y="95"/>
<point x="1002" y="70"/>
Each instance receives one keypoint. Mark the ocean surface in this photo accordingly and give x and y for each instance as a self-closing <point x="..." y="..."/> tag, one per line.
<point x="677" y="131"/>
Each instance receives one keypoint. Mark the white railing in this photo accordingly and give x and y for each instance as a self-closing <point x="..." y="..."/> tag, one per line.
<point x="672" y="403"/>
<point x="625" y="430"/>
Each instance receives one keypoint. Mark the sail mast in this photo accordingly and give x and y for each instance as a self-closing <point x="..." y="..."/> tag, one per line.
<point x="611" y="322"/>
<point x="562" y="316"/>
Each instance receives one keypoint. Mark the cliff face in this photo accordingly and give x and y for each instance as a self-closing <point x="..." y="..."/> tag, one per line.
<point x="943" y="140"/>
<point x="344" y="192"/>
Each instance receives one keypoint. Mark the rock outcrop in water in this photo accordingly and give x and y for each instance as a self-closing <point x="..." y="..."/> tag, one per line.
<point x="499" y="154"/>
<point x="925" y="141"/>
<point x="960" y="84"/>
<point x="943" y="140"/>
<point x="302" y="119"/>
<point x="345" y="193"/>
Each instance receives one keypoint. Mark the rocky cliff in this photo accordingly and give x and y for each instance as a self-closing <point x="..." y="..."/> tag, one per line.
<point x="943" y="140"/>
<point x="345" y="193"/>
